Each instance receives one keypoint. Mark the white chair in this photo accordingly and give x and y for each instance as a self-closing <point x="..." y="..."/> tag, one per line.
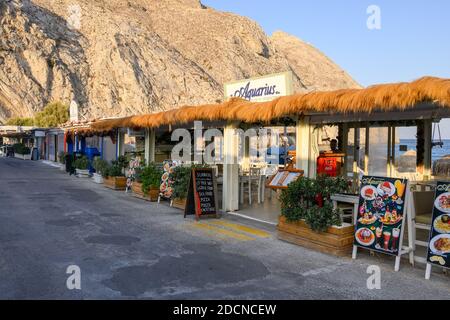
<point x="215" y="169"/>
<point x="421" y="212"/>
<point x="252" y="177"/>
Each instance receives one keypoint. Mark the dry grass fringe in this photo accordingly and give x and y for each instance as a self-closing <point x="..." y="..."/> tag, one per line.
<point x="383" y="97"/>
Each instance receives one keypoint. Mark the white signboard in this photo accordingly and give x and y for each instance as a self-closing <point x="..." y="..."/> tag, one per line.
<point x="73" y="111"/>
<point x="261" y="89"/>
<point x="39" y="134"/>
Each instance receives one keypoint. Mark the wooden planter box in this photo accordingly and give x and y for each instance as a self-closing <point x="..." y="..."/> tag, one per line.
<point x="97" y="178"/>
<point x="336" y="240"/>
<point x="152" y="195"/>
<point x="22" y="156"/>
<point x="82" y="173"/>
<point x="115" y="183"/>
<point x="179" y="203"/>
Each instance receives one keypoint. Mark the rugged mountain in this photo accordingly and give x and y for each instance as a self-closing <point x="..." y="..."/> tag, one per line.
<point x="318" y="72"/>
<point x="117" y="57"/>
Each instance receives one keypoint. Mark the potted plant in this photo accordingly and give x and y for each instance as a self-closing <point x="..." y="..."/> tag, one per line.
<point x="114" y="175"/>
<point x="308" y="218"/>
<point x="147" y="182"/>
<point x="21" y="151"/>
<point x="82" y="167"/>
<point x="62" y="160"/>
<point x="99" y="166"/>
<point x="69" y="160"/>
<point x="181" y="177"/>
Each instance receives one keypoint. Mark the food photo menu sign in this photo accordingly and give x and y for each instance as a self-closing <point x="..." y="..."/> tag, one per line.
<point x="439" y="245"/>
<point x="166" y="187"/>
<point x="380" y="214"/>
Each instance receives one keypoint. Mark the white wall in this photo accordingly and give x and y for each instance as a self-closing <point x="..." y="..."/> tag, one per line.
<point x="109" y="149"/>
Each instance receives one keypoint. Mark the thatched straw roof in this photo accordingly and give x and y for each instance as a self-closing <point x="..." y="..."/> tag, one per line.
<point x="384" y="97"/>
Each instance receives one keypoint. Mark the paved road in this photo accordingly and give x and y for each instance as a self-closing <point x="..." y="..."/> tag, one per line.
<point x="128" y="248"/>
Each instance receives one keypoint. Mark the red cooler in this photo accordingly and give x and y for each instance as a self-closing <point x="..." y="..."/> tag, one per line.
<point x="329" y="164"/>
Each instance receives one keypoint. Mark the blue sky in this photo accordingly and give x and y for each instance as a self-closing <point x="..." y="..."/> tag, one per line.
<point x="414" y="39"/>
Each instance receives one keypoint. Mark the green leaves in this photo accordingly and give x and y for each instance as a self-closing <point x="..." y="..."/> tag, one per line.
<point x="181" y="177"/>
<point x="81" y="163"/>
<point x="20" y="148"/>
<point x="100" y="165"/>
<point x="300" y="201"/>
<point x="116" y="169"/>
<point x="150" y="177"/>
<point x="24" y="122"/>
<point x="53" y="115"/>
<point x="62" y="157"/>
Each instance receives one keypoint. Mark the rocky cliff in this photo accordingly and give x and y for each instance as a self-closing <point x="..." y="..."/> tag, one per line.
<point x="117" y="57"/>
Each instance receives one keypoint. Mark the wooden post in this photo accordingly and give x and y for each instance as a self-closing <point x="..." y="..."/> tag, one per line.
<point x="389" y="142"/>
<point x="120" y="143"/>
<point x="345" y="147"/>
<point x="150" y="138"/>
<point x="427" y="159"/>
<point x="420" y="147"/>
<point x="392" y="165"/>
<point x="428" y="271"/>
<point x="230" y="196"/>
<point x="367" y="151"/>
<point x="303" y="144"/>
<point x="356" y="157"/>
<point x="314" y="152"/>
<point x="102" y="147"/>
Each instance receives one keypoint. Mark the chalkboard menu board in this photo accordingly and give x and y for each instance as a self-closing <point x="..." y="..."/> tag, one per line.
<point x="202" y="197"/>
<point x="381" y="214"/>
<point x="439" y="245"/>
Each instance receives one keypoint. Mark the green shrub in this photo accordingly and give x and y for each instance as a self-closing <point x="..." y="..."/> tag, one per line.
<point x="99" y="165"/>
<point x="53" y="115"/>
<point x="150" y="177"/>
<point x="24" y="122"/>
<point x="181" y="176"/>
<point x="81" y="163"/>
<point x="122" y="162"/>
<point x="62" y="157"/>
<point x="309" y="199"/>
<point x="20" y="148"/>
<point x="116" y="169"/>
<point x="138" y="174"/>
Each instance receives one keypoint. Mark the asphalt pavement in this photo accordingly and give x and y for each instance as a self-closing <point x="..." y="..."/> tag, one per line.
<point x="127" y="248"/>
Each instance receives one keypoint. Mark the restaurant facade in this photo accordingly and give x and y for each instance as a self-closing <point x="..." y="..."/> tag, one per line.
<point x="261" y="146"/>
